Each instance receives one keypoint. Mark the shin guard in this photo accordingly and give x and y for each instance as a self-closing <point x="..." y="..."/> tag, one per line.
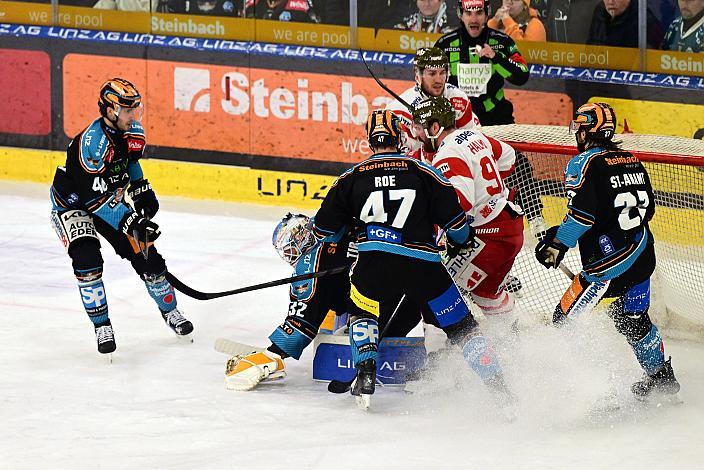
<point x="480" y="356"/>
<point x="94" y="300"/>
<point x="364" y="339"/>
<point x="161" y="291"/>
<point x="650" y="351"/>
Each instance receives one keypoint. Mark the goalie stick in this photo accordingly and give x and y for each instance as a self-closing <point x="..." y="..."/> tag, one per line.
<point x="344" y="386"/>
<point x="198" y="295"/>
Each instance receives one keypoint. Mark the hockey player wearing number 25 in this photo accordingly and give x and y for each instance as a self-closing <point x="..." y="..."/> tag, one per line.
<point x="88" y="197"/>
<point x="393" y="202"/>
<point x="610" y="202"/>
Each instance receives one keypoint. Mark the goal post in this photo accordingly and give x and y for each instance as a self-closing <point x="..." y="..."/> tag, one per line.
<point x="676" y="169"/>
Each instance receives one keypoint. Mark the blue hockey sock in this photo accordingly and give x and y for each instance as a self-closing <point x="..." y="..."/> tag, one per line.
<point x="364" y="336"/>
<point x="290" y="339"/>
<point x="162" y="292"/>
<point x="650" y="351"/>
<point x="481" y="357"/>
<point x="94" y="300"/>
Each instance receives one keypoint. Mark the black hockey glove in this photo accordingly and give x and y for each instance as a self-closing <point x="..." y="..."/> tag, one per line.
<point x="143" y="198"/>
<point x="548" y="252"/>
<point x="453" y="248"/>
<point x="140" y="227"/>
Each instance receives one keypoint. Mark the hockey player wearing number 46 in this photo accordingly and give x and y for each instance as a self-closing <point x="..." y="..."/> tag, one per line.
<point x="610" y="202"/>
<point x="393" y="202"/>
<point x="88" y="197"/>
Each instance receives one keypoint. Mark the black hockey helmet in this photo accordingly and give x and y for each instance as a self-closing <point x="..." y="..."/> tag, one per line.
<point x="434" y="109"/>
<point x="597" y="119"/>
<point x="118" y="93"/>
<point x="383" y="129"/>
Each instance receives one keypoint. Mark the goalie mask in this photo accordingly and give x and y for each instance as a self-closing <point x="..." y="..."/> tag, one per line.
<point x="383" y="129"/>
<point x="426" y="112"/>
<point x="119" y="94"/>
<point x="293" y="237"/>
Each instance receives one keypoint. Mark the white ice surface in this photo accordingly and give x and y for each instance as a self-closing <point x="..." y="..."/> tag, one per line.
<point x="162" y="403"/>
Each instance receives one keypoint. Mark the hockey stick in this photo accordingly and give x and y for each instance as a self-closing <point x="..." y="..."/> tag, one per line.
<point x="566" y="271"/>
<point x="344" y="386"/>
<point x="383" y="86"/>
<point x="189" y="291"/>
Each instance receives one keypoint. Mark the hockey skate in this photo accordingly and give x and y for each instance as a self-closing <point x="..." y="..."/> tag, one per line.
<point x="105" y="337"/>
<point x="178" y="323"/>
<point x="364" y="384"/>
<point x="662" y="383"/>
<point x="243" y="373"/>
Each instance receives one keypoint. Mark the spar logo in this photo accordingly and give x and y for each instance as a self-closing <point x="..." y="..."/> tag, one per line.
<point x="240" y="94"/>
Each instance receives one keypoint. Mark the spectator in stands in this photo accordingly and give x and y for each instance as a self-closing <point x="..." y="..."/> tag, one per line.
<point x="686" y="33"/>
<point x="203" y="7"/>
<point x="370" y="13"/>
<point x="430" y="16"/>
<point x="615" y="23"/>
<point x="300" y="11"/>
<point x="518" y="20"/>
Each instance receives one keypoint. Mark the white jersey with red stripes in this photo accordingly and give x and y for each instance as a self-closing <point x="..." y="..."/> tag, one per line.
<point x="464" y="117"/>
<point x="476" y="165"/>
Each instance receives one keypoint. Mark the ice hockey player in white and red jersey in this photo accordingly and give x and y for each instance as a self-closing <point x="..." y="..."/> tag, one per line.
<point x="431" y="69"/>
<point x="476" y="164"/>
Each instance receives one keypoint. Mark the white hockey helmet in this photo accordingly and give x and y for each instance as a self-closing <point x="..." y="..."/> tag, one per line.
<point x="293" y="237"/>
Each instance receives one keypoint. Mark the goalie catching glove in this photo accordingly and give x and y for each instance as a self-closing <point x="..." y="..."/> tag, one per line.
<point x="245" y="372"/>
<point x="549" y="251"/>
<point x="143" y="198"/>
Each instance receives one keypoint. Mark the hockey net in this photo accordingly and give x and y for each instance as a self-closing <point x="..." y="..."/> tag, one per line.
<point x="676" y="169"/>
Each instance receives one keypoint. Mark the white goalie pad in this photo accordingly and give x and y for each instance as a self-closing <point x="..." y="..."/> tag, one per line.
<point x="73" y="225"/>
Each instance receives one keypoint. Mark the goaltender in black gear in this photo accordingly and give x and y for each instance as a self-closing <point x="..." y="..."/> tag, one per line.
<point x="88" y="197"/>
<point x="393" y="203"/>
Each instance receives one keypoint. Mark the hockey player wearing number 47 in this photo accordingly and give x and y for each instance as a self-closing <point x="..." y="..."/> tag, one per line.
<point x="88" y="197"/>
<point x="393" y="202"/>
<point x="610" y="202"/>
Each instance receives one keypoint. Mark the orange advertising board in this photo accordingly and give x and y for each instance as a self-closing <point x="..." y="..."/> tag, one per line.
<point x="250" y="111"/>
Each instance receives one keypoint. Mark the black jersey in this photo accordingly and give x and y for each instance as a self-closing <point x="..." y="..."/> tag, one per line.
<point x="610" y="204"/>
<point x="507" y="64"/>
<point x="100" y="163"/>
<point x="393" y="203"/>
